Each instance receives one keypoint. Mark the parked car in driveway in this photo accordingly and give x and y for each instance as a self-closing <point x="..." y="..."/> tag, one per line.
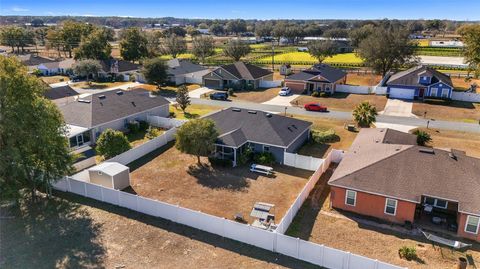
<point x="219" y="96"/>
<point x="285" y="91"/>
<point x="315" y="107"/>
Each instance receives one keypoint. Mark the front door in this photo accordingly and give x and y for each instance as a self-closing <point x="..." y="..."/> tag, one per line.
<point x="421" y="92"/>
<point x="79" y="140"/>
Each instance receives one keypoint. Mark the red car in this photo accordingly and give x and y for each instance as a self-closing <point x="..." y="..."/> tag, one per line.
<point x="315" y="107"/>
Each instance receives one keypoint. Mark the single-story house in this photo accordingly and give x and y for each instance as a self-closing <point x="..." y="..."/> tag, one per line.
<point x="61" y="67"/>
<point x="386" y="175"/>
<point x="88" y="116"/>
<point x="320" y="77"/>
<point x="182" y="71"/>
<point x="261" y="131"/>
<point x="238" y="75"/>
<point x="115" y="67"/>
<point x="32" y="61"/>
<point x="419" y="82"/>
<point x="60" y="94"/>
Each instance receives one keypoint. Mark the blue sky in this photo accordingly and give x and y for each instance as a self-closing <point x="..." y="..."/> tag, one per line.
<point x="252" y="9"/>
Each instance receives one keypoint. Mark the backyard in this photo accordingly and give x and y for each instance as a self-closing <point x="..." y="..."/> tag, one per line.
<point x="448" y="110"/>
<point x="461" y="85"/>
<point x="316" y="222"/>
<point x="359" y="79"/>
<point x="174" y="177"/>
<point x="69" y="231"/>
<point x="343" y="101"/>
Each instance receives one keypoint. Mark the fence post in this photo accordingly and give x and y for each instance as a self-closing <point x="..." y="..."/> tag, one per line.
<point x="85" y="188"/>
<point x="375" y="266"/>
<point x="298" y="247"/>
<point x="69" y="187"/>
<point x="322" y="255"/>
<point x="101" y="194"/>
<point x="346" y="264"/>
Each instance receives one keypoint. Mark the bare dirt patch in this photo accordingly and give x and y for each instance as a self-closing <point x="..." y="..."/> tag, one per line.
<point x="448" y="110"/>
<point x="462" y="85"/>
<point x="256" y="96"/>
<point x="468" y="142"/>
<point x="363" y="79"/>
<point x="175" y="178"/>
<point x="318" y="223"/>
<point x="343" y="101"/>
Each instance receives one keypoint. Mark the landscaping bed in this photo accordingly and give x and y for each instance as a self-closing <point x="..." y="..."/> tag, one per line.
<point x="173" y="177"/>
<point x="342" y="101"/>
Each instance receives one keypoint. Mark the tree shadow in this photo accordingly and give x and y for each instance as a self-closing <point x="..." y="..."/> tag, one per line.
<point x="191" y="115"/>
<point x="166" y="92"/>
<point x="221" y="177"/>
<point x="450" y="103"/>
<point x="49" y="234"/>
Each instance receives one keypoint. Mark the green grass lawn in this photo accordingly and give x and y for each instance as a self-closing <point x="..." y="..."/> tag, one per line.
<point x="193" y="111"/>
<point x="299" y="56"/>
<point x="181" y="56"/>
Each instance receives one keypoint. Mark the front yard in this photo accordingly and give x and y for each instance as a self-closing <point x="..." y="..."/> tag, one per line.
<point x="318" y="223"/>
<point x="256" y="96"/>
<point x="451" y="110"/>
<point x="54" y="79"/>
<point x="343" y="101"/>
<point x="97" y="85"/>
<point x="192" y="112"/>
<point x="173" y="177"/>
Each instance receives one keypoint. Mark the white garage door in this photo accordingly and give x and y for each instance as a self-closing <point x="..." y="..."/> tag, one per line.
<point x="401" y="93"/>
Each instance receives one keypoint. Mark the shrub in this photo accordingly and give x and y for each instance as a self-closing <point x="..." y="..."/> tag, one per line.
<point x="231" y="92"/>
<point x="324" y="136"/>
<point x="324" y="94"/>
<point x="220" y="162"/>
<point x="422" y="137"/>
<point x="120" y="77"/>
<point x="172" y="114"/>
<point x="315" y="94"/>
<point x="143" y="125"/>
<point x="112" y="143"/>
<point x="408" y="253"/>
<point x="246" y="156"/>
<point x="61" y="80"/>
<point x="133" y="127"/>
<point x="264" y="158"/>
<point x="152" y="133"/>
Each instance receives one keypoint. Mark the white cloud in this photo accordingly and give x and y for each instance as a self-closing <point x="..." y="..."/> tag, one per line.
<point x="19" y="9"/>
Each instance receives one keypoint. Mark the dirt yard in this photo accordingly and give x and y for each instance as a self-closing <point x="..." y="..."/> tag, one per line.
<point x="342" y="101"/>
<point x="468" y="142"/>
<point x="256" y="96"/>
<point x="462" y="85"/>
<point x="453" y="110"/>
<point x="55" y="79"/>
<point x="173" y="177"/>
<point x="75" y="232"/>
<point x="316" y="222"/>
<point x="363" y="79"/>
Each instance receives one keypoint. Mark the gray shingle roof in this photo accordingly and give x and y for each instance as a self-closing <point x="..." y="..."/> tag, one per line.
<point x="410" y="76"/>
<point x="332" y="74"/>
<point x="123" y="66"/>
<point x="180" y="67"/>
<point x="104" y="107"/>
<point x="407" y="171"/>
<point x="236" y="126"/>
<point x="60" y="92"/>
<point x="245" y="71"/>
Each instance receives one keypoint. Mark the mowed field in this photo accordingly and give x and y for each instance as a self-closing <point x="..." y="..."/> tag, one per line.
<point x="299" y="56"/>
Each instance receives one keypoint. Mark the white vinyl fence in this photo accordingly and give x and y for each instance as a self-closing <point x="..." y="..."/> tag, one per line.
<point x="466" y="97"/>
<point x="380" y="90"/>
<point x="300" y="161"/>
<point x="270" y="84"/>
<point x="162" y="122"/>
<point x="272" y="241"/>
<point x="323" y="164"/>
<point x="354" y="89"/>
<point x="137" y="152"/>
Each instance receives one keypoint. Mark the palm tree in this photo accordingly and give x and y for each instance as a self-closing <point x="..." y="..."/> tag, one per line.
<point x="422" y="137"/>
<point x="365" y="114"/>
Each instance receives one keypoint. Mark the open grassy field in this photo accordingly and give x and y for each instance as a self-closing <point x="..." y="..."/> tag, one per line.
<point x="69" y="231"/>
<point x="176" y="178"/>
<point x="299" y="56"/>
<point x="452" y="111"/>
<point x="318" y="223"/>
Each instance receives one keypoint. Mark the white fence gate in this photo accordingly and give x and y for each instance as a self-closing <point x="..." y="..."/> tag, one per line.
<point x="300" y="161"/>
<point x="162" y="122"/>
<point x="466" y="97"/>
<point x="270" y="83"/>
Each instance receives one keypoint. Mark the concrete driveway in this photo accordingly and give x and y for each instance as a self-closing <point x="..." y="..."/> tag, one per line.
<point x="199" y="92"/>
<point x="398" y="108"/>
<point x="282" y="100"/>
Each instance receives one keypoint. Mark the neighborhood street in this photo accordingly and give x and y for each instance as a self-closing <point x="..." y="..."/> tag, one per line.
<point x="341" y="115"/>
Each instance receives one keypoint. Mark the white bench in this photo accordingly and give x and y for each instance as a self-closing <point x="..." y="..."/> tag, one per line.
<point x="267" y="170"/>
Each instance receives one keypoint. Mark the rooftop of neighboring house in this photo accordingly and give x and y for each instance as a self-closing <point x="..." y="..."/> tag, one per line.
<point x="389" y="163"/>
<point x="97" y="109"/>
<point x="181" y="66"/>
<point x="60" y="92"/>
<point x="319" y="71"/>
<point x="410" y="77"/>
<point x="237" y="126"/>
<point x="64" y="64"/>
<point x="34" y="60"/>
<point x="120" y="65"/>
<point x="245" y="71"/>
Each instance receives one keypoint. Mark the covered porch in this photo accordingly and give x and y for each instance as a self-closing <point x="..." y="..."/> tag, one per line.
<point x="78" y="137"/>
<point x="438" y="215"/>
<point x="319" y="86"/>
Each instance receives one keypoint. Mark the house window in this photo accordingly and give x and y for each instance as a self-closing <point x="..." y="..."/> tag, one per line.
<point x="266" y="148"/>
<point x="433" y="92"/>
<point x="351" y="198"/>
<point x="391" y="206"/>
<point x="445" y="93"/>
<point x="472" y="224"/>
<point x="436" y="202"/>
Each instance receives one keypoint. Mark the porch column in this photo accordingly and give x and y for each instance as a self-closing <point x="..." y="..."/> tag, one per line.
<point x="234" y="157"/>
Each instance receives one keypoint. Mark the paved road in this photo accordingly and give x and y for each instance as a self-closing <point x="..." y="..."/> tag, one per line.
<point x="341" y="115"/>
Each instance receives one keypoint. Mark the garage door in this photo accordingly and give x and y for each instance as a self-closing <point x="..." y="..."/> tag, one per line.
<point x="401" y="93"/>
<point x="212" y="83"/>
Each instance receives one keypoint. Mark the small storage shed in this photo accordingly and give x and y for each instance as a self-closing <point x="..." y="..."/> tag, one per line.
<point x="111" y="175"/>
